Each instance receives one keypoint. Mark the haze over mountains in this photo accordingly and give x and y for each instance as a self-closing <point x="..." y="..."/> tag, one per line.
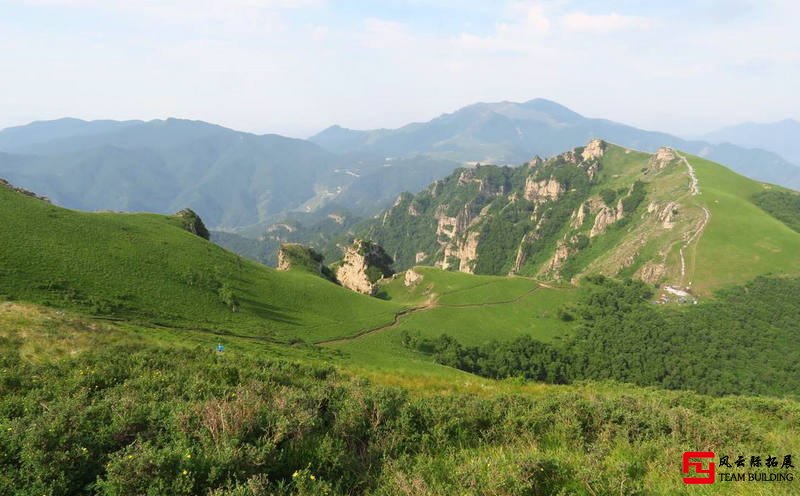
<point x="509" y="132"/>
<point x="235" y="179"/>
<point x="781" y="137"/>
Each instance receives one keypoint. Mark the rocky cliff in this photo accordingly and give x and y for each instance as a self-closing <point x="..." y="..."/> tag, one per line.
<point x="193" y="223"/>
<point x="598" y="208"/>
<point x="363" y="265"/>
<point x="296" y="256"/>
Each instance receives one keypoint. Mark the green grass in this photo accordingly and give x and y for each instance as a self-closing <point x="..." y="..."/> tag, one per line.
<point x="100" y="408"/>
<point x="472" y="309"/>
<point x="741" y="241"/>
<point x="145" y="267"/>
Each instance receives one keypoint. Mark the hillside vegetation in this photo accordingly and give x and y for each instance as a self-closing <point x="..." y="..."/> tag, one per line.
<point x="663" y="218"/>
<point x="148" y="268"/>
<point x="88" y="409"/>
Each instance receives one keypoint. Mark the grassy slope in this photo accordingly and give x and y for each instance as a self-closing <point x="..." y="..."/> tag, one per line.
<point x="146" y="267"/>
<point x="601" y="438"/>
<point x="473" y="309"/>
<point x="741" y="240"/>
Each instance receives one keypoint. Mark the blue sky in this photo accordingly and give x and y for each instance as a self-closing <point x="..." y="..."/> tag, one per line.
<point x="296" y="66"/>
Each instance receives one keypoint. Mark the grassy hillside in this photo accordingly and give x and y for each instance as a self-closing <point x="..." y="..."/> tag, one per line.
<point x="90" y="408"/>
<point x="146" y="267"/>
<point x="475" y="309"/>
<point x="741" y="240"/>
<point x="664" y="218"/>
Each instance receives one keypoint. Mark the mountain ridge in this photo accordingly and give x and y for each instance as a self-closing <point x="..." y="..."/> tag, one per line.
<point x="509" y="133"/>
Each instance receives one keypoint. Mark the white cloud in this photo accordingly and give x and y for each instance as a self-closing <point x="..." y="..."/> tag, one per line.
<point x="603" y="23"/>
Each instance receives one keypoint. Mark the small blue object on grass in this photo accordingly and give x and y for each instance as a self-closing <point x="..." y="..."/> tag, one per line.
<point x="220" y="348"/>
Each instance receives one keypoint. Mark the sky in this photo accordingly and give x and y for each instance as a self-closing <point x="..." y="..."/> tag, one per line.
<point x="294" y="67"/>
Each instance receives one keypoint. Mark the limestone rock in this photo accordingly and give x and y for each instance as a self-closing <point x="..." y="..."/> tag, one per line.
<point x="651" y="272"/>
<point x="193" y="223"/>
<point x="605" y="217"/>
<point x="561" y="255"/>
<point x="411" y="277"/>
<point x="542" y="191"/>
<point x="364" y="264"/>
<point x="578" y="216"/>
<point x="662" y="158"/>
<point x="293" y="256"/>
<point x="594" y="149"/>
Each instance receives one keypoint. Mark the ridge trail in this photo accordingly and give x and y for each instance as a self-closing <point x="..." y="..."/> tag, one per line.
<point x="694" y="189"/>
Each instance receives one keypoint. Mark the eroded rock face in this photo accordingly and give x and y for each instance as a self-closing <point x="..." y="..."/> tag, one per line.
<point x="364" y="264"/>
<point x="578" y="216"/>
<point x="193" y="223"/>
<point x="561" y="255"/>
<point x="542" y="191"/>
<point x="662" y="158"/>
<point x="420" y="256"/>
<point x="296" y="256"/>
<point x="411" y="278"/>
<point x="651" y="272"/>
<point x="465" y="251"/>
<point x="594" y="149"/>
<point x="605" y="217"/>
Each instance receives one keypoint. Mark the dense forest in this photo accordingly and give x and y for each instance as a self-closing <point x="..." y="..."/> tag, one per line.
<point x="783" y="205"/>
<point x="743" y="342"/>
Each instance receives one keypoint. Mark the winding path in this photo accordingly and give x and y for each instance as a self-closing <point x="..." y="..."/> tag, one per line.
<point x="431" y="303"/>
<point x="694" y="189"/>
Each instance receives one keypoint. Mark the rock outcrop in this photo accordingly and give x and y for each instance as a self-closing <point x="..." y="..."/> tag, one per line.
<point x="25" y="192"/>
<point x="662" y="158"/>
<point x="666" y="214"/>
<point x="578" y="217"/>
<point x="193" y="223"/>
<point x="364" y="264"/>
<point x="293" y="256"/>
<point x="542" y="191"/>
<point x="594" y="149"/>
<point x="561" y="255"/>
<point x="605" y="217"/>
<point x="411" y="277"/>
<point x="466" y="251"/>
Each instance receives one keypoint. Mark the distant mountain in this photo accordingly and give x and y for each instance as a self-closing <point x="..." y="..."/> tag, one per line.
<point x="781" y="137"/>
<point x="20" y="137"/>
<point x="511" y="133"/>
<point x="231" y="178"/>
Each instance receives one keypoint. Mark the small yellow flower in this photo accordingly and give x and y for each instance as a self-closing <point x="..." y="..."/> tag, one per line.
<point x="295" y="474"/>
<point x="185" y="471"/>
<point x="84" y="450"/>
<point x="188" y="455"/>
<point x="130" y="457"/>
<point x="312" y="477"/>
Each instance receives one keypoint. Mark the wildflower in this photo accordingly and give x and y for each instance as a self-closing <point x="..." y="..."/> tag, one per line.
<point x="130" y="457"/>
<point x="185" y="471"/>
<point x="312" y="477"/>
<point x="84" y="450"/>
<point x="188" y="455"/>
<point x="295" y="474"/>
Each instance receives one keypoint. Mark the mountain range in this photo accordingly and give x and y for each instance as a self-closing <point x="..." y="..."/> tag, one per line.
<point x="781" y="137"/>
<point x="247" y="182"/>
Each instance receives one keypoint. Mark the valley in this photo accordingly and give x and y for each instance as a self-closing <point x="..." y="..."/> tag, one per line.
<point x="173" y="366"/>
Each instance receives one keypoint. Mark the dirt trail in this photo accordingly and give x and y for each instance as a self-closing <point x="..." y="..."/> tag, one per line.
<point x="431" y="303"/>
<point x="694" y="189"/>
